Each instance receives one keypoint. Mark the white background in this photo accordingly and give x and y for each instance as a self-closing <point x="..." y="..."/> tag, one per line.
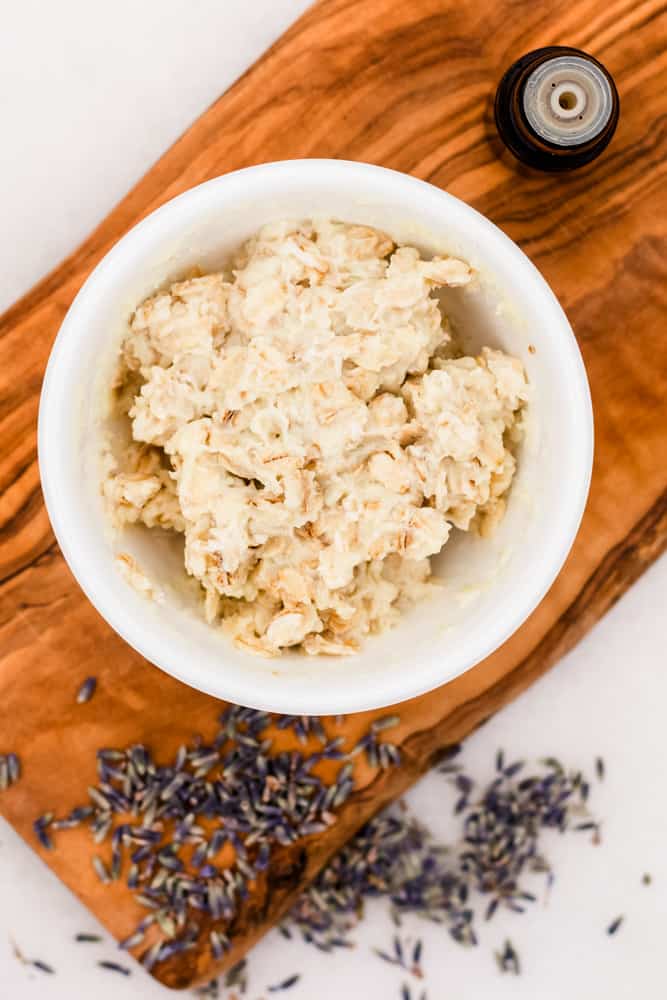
<point x="91" y="94"/>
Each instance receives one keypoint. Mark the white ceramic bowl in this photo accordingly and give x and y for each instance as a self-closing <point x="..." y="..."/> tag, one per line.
<point x="491" y="585"/>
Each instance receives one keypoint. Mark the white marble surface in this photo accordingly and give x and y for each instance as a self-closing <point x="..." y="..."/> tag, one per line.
<point x="91" y="95"/>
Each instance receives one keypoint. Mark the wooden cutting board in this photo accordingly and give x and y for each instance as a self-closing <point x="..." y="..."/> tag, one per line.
<point x="407" y="85"/>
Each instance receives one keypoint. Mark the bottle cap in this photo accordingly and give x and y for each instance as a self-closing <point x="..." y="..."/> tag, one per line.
<point x="556" y="108"/>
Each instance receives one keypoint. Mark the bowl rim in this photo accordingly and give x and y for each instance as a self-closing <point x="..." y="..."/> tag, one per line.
<point x="398" y="685"/>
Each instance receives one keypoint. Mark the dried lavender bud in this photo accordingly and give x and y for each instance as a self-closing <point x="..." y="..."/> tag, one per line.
<point x="286" y="984"/>
<point x="233" y="786"/>
<point x="236" y="976"/>
<point x="258" y="799"/>
<point x="86" y="691"/>
<point x="114" y="967"/>
<point x="10" y="770"/>
<point x="42" y="966"/>
<point x="508" y="959"/>
<point x="395" y="857"/>
<point x="406" y="993"/>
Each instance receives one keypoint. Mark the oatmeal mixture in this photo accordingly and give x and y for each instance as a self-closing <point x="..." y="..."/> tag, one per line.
<point x="305" y="423"/>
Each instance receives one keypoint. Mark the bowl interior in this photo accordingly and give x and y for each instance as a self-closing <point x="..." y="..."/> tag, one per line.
<point x="488" y="585"/>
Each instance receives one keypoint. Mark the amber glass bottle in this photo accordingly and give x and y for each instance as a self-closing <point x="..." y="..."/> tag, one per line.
<point x="556" y="108"/>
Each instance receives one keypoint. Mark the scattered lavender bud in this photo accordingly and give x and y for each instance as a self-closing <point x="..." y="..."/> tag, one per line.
<point x="406" y="993"/>
<point x="508" y="959"/>
<point x="42" y="966"/>
<point x="86" y="691"/>
<point x="114" y="967"/>
<point x="10" y="770"/>
<point x="286" y="984"/>
<point x="394" y="857"/>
